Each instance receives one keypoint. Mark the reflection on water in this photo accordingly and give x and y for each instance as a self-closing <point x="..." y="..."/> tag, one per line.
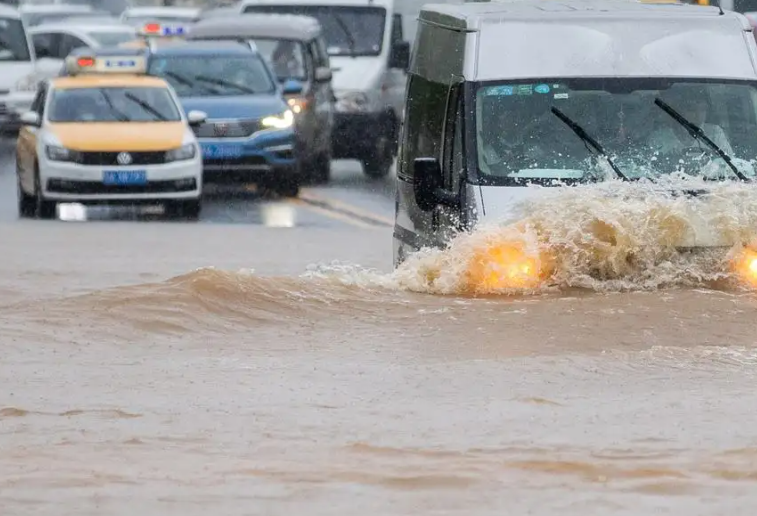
<point x="278" y="215"/>
<point x="76" y="212"/>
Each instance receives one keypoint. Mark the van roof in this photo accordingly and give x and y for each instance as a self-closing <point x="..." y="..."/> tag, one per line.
<point x="312" y="3"/>
<point x="595" y="38"/>
<point x="9" y="12"/>
<point x="276" y="26"/>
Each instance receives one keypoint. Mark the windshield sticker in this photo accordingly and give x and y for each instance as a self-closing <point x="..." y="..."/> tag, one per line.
<point x="561" y="95"/>
<point x="542" y="88"/>
<point x="496" y="91"/>
<point x="524" y="89"/>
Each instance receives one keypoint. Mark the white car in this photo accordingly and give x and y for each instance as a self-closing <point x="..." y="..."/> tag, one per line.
<point x="58" y="40"/>
<point x="37" y="14"/>
<point x="139" y="16"/>
<point x="108" y="134"/>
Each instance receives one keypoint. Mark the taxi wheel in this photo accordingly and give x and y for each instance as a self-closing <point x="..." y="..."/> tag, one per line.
<point x="27" y="204"/>
<point x="43" y="208"/>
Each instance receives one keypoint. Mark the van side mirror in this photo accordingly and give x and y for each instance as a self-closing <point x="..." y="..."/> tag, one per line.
<point x="292" y="87"/>
<point x="428" y="185"/>
<point x="323" y="74"/>
<point x="399" y="56"/>
<point x="30" y="118"/>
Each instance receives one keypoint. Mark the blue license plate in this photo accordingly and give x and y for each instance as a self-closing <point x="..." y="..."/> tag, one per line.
<point x="210" y="151"/>
<point x="125" y="177"/>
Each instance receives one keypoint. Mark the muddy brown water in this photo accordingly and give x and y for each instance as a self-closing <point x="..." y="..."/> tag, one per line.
<point x="147" y="369"/>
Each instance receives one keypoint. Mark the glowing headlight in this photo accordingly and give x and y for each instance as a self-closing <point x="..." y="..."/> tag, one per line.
<point x="181" y="153"/>
<point x="298" y="104"/>
<point x="283" y="121"/>
<point x="28" y="83"/>
<point x="503" y="265"/>
<point x="55" y="153"/>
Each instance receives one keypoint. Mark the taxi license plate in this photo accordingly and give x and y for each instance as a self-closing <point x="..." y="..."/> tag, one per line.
<point x="125" y="177"/>
<point x="221" y="151"/>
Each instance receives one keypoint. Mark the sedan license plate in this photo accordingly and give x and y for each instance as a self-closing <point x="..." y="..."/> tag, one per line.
<point x="125" y="177"/>
<point x="221" y="151"/>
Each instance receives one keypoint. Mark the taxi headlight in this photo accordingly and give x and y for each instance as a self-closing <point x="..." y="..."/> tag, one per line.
<point x="282" y="121"/>
<point x="55" y="153"/>
<point x="27" y="84"/>
<point x="181" y="153"/>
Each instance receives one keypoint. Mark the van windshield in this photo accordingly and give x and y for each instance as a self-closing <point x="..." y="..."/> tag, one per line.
<point x="348" y="31"/>
<point x="524" y="134"/>
<point x="13" y="43"/>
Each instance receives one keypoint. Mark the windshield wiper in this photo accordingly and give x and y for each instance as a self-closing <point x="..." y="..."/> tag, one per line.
<point x="120" y="115"/>
<point x="221" y="82"/>
<point x="581" y="133"/>
<point x="186" y="82"/>
<point x="350" y="38"/>
<point x="697" y="133"/>
<point x="147" y="107"/>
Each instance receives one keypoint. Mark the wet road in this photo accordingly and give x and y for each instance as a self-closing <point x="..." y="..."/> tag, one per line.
<point x="236" y="367"/>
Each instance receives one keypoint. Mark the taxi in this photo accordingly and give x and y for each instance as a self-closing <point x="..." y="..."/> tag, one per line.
<point x="151" y="32"/>
<point x="107" y="133"/>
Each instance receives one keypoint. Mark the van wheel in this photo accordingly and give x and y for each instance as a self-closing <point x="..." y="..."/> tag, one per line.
<point x="378" y="165"/>
<point x="320" y="172"/>
<point x="43" y="209"/>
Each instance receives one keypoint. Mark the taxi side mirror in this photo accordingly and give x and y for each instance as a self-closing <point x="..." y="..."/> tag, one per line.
<point x="196" y="117"/>
<point x="30" y="118"/>
<point x="323" y="74"/>
<point x="428" y="185"/>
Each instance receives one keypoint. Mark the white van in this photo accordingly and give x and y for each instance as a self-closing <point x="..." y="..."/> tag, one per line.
<point x="506" y="94"/>
<point x="369" y="56"/>
<point x="19" y="70"/>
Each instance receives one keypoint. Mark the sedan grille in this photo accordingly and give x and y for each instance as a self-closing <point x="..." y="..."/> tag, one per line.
<point x="110" y="158"/>
<point x="228" y="129"/>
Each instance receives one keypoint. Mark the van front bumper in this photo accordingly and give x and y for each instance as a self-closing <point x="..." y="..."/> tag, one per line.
<point x="355" y="134"/>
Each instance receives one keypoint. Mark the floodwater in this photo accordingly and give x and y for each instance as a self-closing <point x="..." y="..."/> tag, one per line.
<point x="236" y="370"/>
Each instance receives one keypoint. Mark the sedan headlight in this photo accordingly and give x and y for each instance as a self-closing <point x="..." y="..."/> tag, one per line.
<point x="55" y="153"/>
<point x="27" y="84"/>
<point x="182" y="153"/>
<point x="282" y="121"/>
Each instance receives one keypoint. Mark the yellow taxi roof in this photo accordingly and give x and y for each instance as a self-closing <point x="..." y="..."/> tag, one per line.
<point x="113" y="81"/>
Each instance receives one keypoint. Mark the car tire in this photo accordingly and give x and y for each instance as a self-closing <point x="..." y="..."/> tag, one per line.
<point x="290" y="188"/>
<point x="184" y="209"/>
<point x="379" y="163"/>
<point x="320" y="172"/>
<point x="43" y="209"/>
<point x="27" y="204"/>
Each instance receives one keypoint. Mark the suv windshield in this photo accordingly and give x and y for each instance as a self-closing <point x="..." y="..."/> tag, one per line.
<point x="648" y="127"/>
<point x="357" y="31"/>
<point x="217" y="75"/>
<point x="285" y="57"/>
<point x="13" y="43"/>
<point x="133" y="104"/>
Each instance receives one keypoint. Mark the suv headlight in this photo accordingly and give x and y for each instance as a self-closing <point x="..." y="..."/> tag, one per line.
<point x="181" y="153"/>
<point x="55" y="153"/>
<point x="282" y="121"/>
<point x="353" y="101"/>
<point x="28" y="84"/>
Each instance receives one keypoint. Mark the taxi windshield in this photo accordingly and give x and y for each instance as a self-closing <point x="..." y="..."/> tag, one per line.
<point x="113" y="104"/>
<point x="544" y="131"/>
<point x="217" y="75"/>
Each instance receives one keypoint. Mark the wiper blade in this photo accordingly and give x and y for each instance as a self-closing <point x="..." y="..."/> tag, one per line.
<point x="581" y="133"/>
<point x="697" y="133"/>
<point x="147" y="107"/>
<point x="350" y="38"/>
<point x="120" y="115"/>
<point x="221" y="82"/>
<point x="185" y="81"/>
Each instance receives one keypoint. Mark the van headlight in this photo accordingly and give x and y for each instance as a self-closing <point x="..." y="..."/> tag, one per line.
<point x="282" y="121"/>
<point x="27" y="84"/>
<point x="56" y="153"/>
<point x="182" y="153"/>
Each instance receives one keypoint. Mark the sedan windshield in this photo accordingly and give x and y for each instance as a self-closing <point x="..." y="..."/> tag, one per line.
<point x="217" y="75"/>
<point x="537" y="131"/>
<point x="133" y="104"/>
<point x="357" y="31"/>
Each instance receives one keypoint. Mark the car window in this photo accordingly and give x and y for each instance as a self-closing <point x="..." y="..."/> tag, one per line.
<point x="285" y="57"/>
<point x="45" y="44"/>
<point x="13" y="42"/>
<point x="68" y="43"/>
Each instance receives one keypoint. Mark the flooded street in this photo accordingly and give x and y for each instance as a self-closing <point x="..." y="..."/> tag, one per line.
<point x="265" y="360"/>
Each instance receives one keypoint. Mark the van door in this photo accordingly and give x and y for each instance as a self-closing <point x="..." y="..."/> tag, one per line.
<point x="447" y="221"/>
<point x="422" y="137"/>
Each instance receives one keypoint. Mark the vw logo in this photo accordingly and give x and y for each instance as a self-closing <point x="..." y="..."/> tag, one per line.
<point x="123" y="158"/>
<point x="221" y="129"/>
